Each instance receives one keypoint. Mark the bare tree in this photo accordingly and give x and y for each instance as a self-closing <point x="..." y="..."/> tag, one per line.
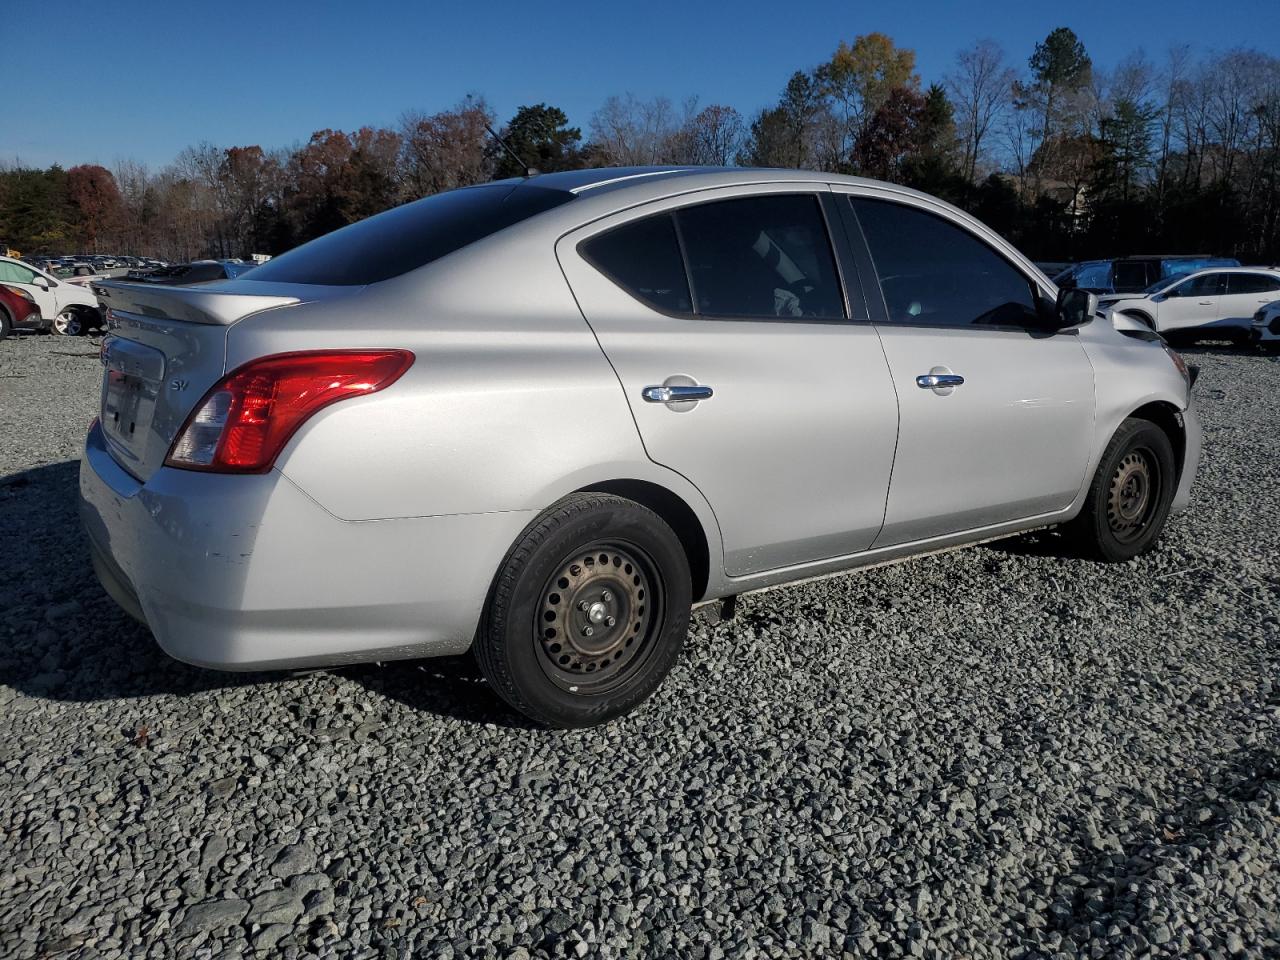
<point x="629" y="132"/>
<point x="981" y="90"/>
<point x="711" y="137"/>
<point x="445" y="150"/>
<point x="1172" y="81"/>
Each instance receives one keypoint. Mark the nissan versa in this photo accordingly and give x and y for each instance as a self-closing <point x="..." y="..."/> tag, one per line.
<point x="542" y="418"/>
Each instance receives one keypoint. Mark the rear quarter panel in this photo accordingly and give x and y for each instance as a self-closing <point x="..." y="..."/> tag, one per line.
<point x="510" y="403"/>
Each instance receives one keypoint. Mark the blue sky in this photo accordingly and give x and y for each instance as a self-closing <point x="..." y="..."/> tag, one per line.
<point x="98" y="81"/>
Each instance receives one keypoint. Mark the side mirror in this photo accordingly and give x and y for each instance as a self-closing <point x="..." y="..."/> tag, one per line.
<point x="41" y="282"/>
<point x="1074" y="308"/>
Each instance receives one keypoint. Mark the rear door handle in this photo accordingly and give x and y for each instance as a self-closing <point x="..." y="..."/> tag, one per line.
<point x="931" y="381"/>
<point x="676" y="394"/>
<point x="1206" y="303"/>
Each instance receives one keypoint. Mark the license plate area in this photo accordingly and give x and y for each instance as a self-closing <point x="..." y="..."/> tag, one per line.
<point x="124" y="399"/>
<point x="130" y="386"/>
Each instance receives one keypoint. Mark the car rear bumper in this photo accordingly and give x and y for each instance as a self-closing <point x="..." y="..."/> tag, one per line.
<point x="248" y="572"/>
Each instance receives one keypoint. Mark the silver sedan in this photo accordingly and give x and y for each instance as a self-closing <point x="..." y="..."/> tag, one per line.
<point x="541" y="419"/>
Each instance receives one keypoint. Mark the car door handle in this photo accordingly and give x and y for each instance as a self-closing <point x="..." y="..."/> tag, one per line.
<point x="1206" y="303"/>
<point x="930" y="381"/>
<point x="676" y="394"/>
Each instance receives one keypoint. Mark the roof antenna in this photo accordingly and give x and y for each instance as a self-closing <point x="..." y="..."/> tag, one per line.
<point x="528" y="170"/>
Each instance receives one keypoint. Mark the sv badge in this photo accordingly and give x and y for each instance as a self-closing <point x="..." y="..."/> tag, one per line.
<point x="177" y="384"/>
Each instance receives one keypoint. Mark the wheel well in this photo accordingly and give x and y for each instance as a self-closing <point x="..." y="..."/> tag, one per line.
<point x="678" y="515"/>
<point x="1167" y="418"/>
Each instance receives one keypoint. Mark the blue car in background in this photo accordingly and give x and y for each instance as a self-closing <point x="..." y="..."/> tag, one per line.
<point x="1135" y="274"/>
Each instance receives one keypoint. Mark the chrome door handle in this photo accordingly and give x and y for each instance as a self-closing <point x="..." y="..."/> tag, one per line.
<point x="676" y="394"/>
<point x="930" y="381"/>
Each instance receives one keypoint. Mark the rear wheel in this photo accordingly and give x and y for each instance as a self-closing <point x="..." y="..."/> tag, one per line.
<point x="6" y="327"/>
<point x="1128" y="501"/>
<point x="588" y="613"/>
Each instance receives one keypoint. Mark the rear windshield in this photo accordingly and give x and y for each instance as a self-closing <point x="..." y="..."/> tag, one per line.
<point x="408" y="237"/>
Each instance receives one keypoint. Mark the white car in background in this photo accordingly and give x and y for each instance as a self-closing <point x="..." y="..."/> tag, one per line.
<point x="67" y="308"/>
<point x="1265" y="331"/>
<point x="1219" y="302"/>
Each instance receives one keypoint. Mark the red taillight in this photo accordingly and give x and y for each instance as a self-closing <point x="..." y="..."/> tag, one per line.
<point x="244" y="421"/>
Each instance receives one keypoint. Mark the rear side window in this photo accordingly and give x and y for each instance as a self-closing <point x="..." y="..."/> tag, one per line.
<point x="643" y="258"/>
<point x="935" y="273"/>
<point x="757" y="257"/>
<point x="1133" y="275"/>
<point x="766" y="256"/>
<point x="1251" y="283"/>
<point x="408" y="237"/>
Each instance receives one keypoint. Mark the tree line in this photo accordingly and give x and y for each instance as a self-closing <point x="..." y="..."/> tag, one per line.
<point x="1066" y="159"/>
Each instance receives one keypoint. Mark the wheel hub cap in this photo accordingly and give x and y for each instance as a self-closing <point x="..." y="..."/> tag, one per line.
<point x="1131" y="495"/>
<point x="596" y="615"/>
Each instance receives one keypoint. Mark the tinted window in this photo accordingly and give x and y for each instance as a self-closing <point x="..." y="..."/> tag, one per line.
<point x="1251" y="283"/>
<point x="764" y="256"/>
<point x="936" y="273"/>
<point x="1206" y="285"/>
<point x="1094" y="276"/>
<point x="643" y="258"/>
<point x="1133" y="275"/>
<point x="410" y="236"/>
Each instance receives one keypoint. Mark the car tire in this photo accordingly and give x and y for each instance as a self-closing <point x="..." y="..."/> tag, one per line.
<point x="1128" y="501"/>
<point x="68" y="323"/>
<point x="588" y="612"/>
<point x="6" y="325"/>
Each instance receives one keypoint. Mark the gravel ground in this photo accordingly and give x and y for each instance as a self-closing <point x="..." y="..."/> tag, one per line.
<point x="992" y="753"/>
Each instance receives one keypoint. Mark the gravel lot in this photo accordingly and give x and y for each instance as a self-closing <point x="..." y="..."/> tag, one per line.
<point x="992" y="753"/>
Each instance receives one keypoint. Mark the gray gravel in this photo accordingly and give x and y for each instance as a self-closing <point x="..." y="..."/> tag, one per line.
<point x="993" y="753"/>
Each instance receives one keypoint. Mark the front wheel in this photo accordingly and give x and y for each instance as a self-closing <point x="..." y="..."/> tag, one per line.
<point x="68" y="323"/>
<point x="588" y="612"/>
<point x="1128" y="501"/>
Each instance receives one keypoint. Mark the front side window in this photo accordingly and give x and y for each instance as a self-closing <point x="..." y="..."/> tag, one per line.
<point x="766" y="256"/>
<point x="1205" y="285"/>
<point x="1251" y="283"/>
<point x="935" y="273"/>
<point x="15" y="273"/>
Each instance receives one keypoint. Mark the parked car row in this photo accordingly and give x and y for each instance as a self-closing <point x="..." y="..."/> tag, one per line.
<point x="1210" y="304"/>
<point x="97" y="262"/>
<point x="37" y="300"/>
<point x="63" y="301"/>
<point x="1135" y="274"/>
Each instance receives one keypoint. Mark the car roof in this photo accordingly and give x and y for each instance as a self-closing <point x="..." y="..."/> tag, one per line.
<point x="617" y="179"/>
<point x="1268" y="271"/>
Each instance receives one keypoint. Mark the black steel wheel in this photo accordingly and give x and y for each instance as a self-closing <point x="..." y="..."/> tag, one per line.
<point x="588" y="612"/>
<point x="599" y="614"/>
<point x="1128" y="501"/>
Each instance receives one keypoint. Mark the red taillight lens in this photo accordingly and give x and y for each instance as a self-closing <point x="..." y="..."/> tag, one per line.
<point x="245" y="420"/>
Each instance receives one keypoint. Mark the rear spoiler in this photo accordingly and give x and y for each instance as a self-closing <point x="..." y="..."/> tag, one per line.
<point x="191" y="304"/>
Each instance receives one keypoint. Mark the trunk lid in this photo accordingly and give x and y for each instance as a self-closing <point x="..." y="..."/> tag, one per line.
<point x="167" y="346"/>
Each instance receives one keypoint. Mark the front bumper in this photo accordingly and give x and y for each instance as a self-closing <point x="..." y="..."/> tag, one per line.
<point x="1193" y="435"/>
<point x="248" y="572"/>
